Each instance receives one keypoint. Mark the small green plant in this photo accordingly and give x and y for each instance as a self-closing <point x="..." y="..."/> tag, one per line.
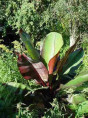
<point x="49" y="71"/>
<point x="55" y="111"/>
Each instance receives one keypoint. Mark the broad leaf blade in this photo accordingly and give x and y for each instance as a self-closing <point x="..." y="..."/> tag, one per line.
<point x="79" y="80"/>
<point x="72" y="64"/>
<point x="51" y="46"/>
<point x="31" y="70"/>
<point x="29" y="46"/>
<point x="73" y="61"/>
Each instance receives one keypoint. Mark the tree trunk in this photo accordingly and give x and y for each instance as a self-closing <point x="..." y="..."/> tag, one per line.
<point x="72" y="33"/>
<point x="72" y="39"/>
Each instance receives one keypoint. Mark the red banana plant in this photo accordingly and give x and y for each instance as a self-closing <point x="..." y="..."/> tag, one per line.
<point x="45" y="67"/>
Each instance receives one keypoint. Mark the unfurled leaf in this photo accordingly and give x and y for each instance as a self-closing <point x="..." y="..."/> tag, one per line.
<point x="63" y="61"/>
<point x="79" y="80"/>
<point x="29" y="46"/>
<point x="32" y="70"/>
<point x="72" y="64"/>
<point x="73" y="61"/>
<point x="51" y="47"/>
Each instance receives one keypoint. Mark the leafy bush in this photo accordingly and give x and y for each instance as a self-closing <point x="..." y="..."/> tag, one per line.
<point x="8" y="68"/>
<point x="32" y="16"/>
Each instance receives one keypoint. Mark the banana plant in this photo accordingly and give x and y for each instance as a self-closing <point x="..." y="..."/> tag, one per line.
<point x="46" y="67"/>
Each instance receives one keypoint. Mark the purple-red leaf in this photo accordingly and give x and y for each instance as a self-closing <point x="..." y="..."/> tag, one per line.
<point x="31" y="70"/>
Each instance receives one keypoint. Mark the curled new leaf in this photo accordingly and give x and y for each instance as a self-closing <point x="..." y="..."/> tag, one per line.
<point x="31" y="70"/>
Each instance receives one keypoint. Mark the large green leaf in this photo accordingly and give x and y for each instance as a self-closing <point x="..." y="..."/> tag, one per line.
<point x="74" y="59"/>
<point x="79" y="80"/>
<point x="51" y="46"/>
<point x="29" y="46"/>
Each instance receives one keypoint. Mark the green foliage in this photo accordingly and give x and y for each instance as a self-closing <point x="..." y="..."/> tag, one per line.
<point x="51" y="46"/>
<point x="28" y="44"/>
<point x="7" y="109"/>
<point x="27" y="15"/>
<point x="82" y="109"/>
<point x="72" y="61"/>
<point x="35" y="17"/>
<point x="11" y="87"/>
<point x="2" y="16"/>
<point x="80" y="79"/>
<point x="55" y="112"/>
<point x="23" y="112"/>
<point x="11" y="97"/>
<point x="78" y="101"/>
<point x="72" y="11"/>
<point x="8" y="68"/>
<point x="39" y="18"/>
<point x="18" y="46"/>
<point x="49" y="57"/>
<point x="8" y="99"/>
<point x="85" y="47"/>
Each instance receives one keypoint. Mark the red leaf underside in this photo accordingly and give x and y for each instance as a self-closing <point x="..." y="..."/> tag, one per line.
<point x="52" y="63"/>
<point x="30" y="70"/>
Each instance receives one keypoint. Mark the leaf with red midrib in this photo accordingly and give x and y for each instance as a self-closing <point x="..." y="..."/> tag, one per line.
<point x="30" y="70"/>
